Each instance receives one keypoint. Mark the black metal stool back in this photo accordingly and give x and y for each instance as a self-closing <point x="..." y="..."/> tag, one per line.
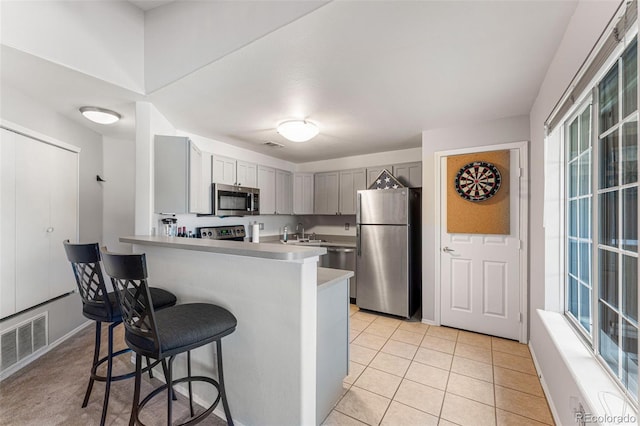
<point x="128" y="274"/>
<point x="85" y="262"/>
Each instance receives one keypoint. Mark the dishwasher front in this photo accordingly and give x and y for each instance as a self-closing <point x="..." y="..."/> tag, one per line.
<point x="341" y="258"/>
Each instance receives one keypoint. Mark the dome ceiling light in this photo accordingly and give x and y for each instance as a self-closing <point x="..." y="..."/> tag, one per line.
<point x="298" y="130"/>
<point x="100" y="115"/>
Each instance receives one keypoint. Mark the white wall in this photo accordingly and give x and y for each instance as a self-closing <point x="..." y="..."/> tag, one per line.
<point x="118" y="191"/>
<point x="65" y="314"/>
<point x="149" y="122"/>
<point x="584" y="29"/>
<point x="513" y="129"/>
<point x="359" y="161"/>
<point x="101" y="38"/>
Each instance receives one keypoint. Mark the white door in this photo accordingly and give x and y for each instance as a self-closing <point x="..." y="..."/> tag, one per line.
<point x="480" y="274"/>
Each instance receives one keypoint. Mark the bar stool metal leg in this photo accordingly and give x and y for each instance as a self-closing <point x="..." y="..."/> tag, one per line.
<point x="96" y="356"/>
<point x="225" y="403"/>
<point x="170" y="390"/>
<point x="136" y="391"/>
<point x="190" y="387"/>
<point x="107" y="388"/>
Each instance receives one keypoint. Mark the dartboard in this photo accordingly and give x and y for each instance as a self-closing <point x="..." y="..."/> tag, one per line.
<point x="478" y="181"/>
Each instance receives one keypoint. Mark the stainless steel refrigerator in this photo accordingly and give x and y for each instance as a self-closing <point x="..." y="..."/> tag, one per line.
<point x="389" y="260"/>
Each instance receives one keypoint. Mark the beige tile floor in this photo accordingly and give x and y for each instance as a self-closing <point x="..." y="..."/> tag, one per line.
<point x="408" y="373"/>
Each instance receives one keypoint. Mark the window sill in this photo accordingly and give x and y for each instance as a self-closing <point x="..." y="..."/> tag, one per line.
<point x="600" y="392"/>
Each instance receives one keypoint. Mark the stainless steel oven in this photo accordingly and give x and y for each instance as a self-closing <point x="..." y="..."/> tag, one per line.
<point x="231" y="200"/>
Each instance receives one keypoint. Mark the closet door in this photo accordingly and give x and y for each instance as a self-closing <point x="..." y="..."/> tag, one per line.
<point x="7" y="223"/>
<point x="33" y="185"/>
<point x="64" y="218"/>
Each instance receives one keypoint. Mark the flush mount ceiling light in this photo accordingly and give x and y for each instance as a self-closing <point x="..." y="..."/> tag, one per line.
<point x="298" y="130"/>
<point x="100" y="115"/>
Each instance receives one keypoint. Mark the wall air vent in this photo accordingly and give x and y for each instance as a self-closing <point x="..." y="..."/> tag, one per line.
<point x="22" y="340"/>
<point x="273" y="144"/>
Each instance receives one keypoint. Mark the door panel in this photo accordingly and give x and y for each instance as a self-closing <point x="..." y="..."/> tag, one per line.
<point x="461" y="281"/>
<point x="33" y="160"/>
<point x="382" y="269"/>
<point x="64" y="219"/>
<point x="480" y="274"/>
<point x="495" y="289"/>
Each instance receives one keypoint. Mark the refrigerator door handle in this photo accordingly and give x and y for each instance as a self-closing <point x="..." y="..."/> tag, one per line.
<point x="358" y="241"/>
<point x="358" y="205"/>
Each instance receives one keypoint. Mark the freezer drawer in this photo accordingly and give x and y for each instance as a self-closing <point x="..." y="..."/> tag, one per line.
<point x="383" y="269"/>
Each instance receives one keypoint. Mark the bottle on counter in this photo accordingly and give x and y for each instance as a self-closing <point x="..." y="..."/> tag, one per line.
<point x="255" y="232"/>
<point x="285" y="234"/>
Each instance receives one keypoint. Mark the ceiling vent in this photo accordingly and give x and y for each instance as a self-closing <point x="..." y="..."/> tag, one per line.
<point x="273" y="144"/>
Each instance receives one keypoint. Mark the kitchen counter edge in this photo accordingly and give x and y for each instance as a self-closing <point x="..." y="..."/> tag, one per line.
<point x="328" y="276"/>
<point x="236" y="248"/>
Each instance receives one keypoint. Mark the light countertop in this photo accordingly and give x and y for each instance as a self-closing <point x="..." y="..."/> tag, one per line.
<point x="237" y="248"/>
<point x="328" y="276"/>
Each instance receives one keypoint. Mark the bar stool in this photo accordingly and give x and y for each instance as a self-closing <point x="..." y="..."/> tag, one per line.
<point x="166" y="333"/>
<point x="101" y="306"/>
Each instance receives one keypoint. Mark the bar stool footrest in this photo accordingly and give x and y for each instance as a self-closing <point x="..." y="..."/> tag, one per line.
<point x="193" y="420"/>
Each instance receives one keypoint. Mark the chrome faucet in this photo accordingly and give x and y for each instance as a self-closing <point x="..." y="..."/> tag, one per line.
<point x="300" y="225"/>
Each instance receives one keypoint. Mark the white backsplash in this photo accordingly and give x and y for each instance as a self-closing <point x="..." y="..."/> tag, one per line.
<point x="328" y="225"/>
<point x="273" y="224"/>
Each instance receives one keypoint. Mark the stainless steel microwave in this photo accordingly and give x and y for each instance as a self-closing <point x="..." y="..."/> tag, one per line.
<point x="231" y="200"/>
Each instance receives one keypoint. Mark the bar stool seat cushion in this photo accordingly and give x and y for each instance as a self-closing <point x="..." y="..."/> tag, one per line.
<point x="185" y="327"/>
<point x="161" y="299"/>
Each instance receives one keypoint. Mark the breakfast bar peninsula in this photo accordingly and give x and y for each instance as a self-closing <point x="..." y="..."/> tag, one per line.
<point x="285" y="363"/>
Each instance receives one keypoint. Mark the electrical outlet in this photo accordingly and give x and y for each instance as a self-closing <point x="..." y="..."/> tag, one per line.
<point x="261" y="226"/>
<point x="346" y="226"/>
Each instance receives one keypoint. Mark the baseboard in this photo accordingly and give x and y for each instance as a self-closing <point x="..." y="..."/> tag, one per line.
<point x="429" y="322"/>
<point x="545" y="389"/>
<point x="34" y="356"/>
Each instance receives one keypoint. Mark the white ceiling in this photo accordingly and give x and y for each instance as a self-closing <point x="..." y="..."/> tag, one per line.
<point x="149" y="4"/>
<point x="373" y="75"/>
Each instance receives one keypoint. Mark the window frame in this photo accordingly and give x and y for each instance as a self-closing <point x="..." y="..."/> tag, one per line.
<point x="591" y="96"/>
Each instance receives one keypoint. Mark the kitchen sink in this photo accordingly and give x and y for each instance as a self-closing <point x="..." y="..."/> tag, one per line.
<point x="307" y="241"/>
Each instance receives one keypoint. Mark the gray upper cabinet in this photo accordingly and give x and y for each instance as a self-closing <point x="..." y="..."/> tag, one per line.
<point x="246" y="174"/>
<point x="351" y="181"/>
<point x="409" y="174"/>
<point x="325" y="191"/>
<point x="373" y="172"/>
<point x="267" y="185"/>
<point x="284" y="192"/>
<point x="303" y="193"/>
<point x="182" y="176"/>
<point x="171" y="174"/>
<point x="335" y="192"/>
<point x="224" y="170"/>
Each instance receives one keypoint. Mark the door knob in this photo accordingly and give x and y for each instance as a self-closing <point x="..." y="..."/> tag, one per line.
<point x="447" y="250"/>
